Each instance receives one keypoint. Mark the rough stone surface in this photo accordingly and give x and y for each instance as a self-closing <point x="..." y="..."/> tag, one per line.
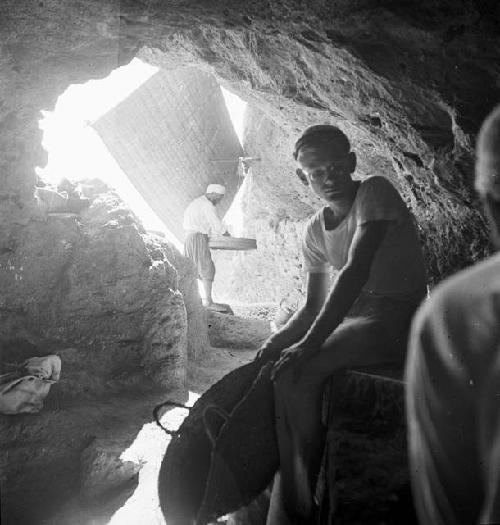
<point x="276" y="204"/>
<point x="271" y="273"/>
<point x="102" y="470"/>
<point x="365" y="477"/>
<point x="197" y="333"/>
<point x="56" y="455"/>
<point x="113" y="302"/>
<point x="228" y="331"/>
<point x="90" y="282"/>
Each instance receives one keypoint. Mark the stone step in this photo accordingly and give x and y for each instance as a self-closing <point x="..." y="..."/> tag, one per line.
<point x="371" y="393"/>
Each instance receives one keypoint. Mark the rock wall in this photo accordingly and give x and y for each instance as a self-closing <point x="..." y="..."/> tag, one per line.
<point x="275" y="206"/>
<point x="113" y="302"/>
<point x="271" y="273"/>
<point x="98" y="284"/>
<point x="198" y="344"/>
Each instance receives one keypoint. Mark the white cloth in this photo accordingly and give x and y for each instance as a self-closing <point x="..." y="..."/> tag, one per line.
<point x="201" y="216"/>
<point x="47" y="367"/>
<point x="216" y="188"/>
<point x="23" y="391"/>
<point x="50" y="200"/>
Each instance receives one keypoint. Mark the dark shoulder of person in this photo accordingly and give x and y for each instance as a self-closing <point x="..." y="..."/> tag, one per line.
<point x="379" y="182"/>
<point x="381" y="188"/>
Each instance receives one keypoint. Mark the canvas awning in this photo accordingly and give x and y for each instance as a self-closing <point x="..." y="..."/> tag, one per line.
<point x="172" y="137"/>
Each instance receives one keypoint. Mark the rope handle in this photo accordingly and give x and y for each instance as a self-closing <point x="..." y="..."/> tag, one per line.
<point x="157" y="417"/>
<point x="221" y="413"/>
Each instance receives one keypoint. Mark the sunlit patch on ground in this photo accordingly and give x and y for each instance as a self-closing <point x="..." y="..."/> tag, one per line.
<point x="148" y="450"/>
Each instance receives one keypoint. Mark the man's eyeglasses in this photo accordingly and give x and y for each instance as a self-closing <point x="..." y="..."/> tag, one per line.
<point x="329" y="170"/>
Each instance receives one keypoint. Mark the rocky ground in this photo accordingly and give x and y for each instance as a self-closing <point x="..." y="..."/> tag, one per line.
<point x="105" y="454"/>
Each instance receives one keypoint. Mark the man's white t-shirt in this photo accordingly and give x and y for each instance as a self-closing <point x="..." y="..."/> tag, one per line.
<point x="398" y="268"/>
<point x="201" y="216"/>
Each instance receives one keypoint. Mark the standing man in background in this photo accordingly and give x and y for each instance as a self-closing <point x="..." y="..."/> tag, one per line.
<point x="200" y="221"/>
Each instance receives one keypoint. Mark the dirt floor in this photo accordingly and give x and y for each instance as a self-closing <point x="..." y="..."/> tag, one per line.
<point x="235" y="340"/>
<point x="106" y="456"/>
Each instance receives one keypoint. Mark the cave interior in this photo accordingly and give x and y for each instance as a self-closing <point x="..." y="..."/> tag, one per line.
<point x="110" y="292"/>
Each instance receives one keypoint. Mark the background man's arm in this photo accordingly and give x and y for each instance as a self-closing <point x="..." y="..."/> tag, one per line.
<point x="217" y="227"/>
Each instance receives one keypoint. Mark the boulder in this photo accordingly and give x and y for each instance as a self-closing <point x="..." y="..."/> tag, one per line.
<point x="92" y="282"/>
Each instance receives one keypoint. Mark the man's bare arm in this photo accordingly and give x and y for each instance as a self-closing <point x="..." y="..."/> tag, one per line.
<point x="348" y="283"/>
<point x="301" y="321"/>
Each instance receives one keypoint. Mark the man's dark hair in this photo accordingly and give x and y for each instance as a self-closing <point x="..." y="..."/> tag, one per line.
<point x="322" y="134"/>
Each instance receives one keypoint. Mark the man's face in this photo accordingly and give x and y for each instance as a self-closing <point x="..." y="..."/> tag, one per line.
<point x="328" y="172"/>
<point x="214" y="198"/>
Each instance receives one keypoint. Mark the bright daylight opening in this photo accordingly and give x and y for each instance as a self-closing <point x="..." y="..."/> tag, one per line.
<point x="236" y="108"/>
<point x="76" y="152"/>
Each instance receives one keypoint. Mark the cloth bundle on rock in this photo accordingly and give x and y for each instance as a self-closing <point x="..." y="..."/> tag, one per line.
<point x="225" y="452"/>
<point x="23" y="390"/>
<point x="50" y="200"/>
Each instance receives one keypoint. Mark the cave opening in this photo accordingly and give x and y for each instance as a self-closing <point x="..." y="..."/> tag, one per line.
<point x="76" y="151"/>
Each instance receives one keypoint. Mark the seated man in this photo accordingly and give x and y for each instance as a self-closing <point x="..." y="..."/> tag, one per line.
<point x="366" y="233"/>
<point x="200" y="221"/>
<point x="453" y="374"/>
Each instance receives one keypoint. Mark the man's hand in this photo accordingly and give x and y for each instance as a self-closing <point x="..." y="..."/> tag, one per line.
<point x="293" y="358"/>
<point x="268" y="352"/>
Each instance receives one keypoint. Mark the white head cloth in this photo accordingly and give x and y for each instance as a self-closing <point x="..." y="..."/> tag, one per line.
<point x="216" y="188"/>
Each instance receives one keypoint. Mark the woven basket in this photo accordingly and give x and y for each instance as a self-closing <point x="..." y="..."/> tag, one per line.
<point x="188" y="461"/>
<point x="224" y="242"/>
<point x="245" y="454"/>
